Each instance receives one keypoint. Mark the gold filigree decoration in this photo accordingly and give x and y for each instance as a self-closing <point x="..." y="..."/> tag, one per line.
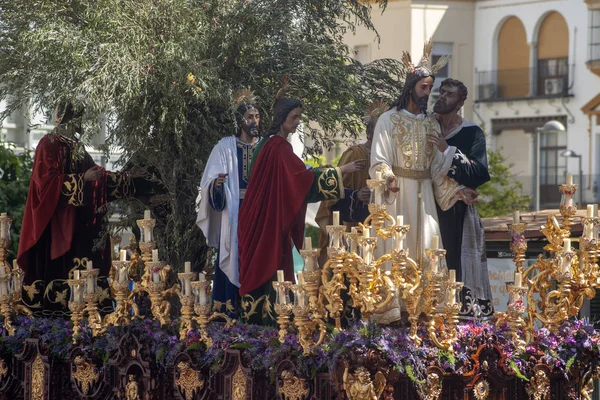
<point x="358" y="386"/>
<point x="85" y="374"/>
<point x="293" y="388"/>
<point x="329" y="183"/>
<point x="433" y="387"/>
<point x="238" y="385"/>
<point x="481" y="391"/>
<point x="38" y="372"/>
<point x="73" y="189"/>
<point x="189" y="381"/>
<point x="539" y="386"/>
<point x="3" y="369"/>
<point x="132" y="391"/>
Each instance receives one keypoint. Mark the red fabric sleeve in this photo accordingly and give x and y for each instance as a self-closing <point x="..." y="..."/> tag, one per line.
<point x="273" y="212"/>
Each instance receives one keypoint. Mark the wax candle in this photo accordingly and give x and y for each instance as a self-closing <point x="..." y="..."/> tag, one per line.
<point x="4" y="283"/>
<point x="590" y="211"/>
<point x="307" y="243"/>
<point x="435" y="242"/>
<point x="378" y="175"/>
<point x="555" y="222"/>
<point x="366" y="232"/>
<point x="123" y="255"/>
<point x="187" y="287"/>
<point x="156" y="276"/>
<point x="336" y="218"/>
<point x="90" y="279"/>
<point x="4" y="227"/>
<point x="77" y="294"/>
<point x="155" y="255"/>
<point x="518" y="279"/>
<point x="280" y="276"/>
<point x="301" y="278"/>
<point x="569" y="179"/>
<point x="567" y="244"/>
<point x="516" y="217"/>
<point x="399" y="220"/>
<point x="354" y="231"/>
<point x="187" y="267"/>
<point x="147" y="215"/>
<point x="452" y="276"/>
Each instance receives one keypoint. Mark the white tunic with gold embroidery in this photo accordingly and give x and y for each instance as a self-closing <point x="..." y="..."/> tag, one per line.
<point x="400" y="147"/>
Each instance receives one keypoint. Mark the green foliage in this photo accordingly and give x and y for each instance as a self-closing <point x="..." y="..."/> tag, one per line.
<point x="15" y="173"/>
<point x="502" y="194"/>
<point x="129" y="61"/>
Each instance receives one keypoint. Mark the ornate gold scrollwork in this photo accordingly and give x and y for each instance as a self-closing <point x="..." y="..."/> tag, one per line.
<point x="189" y="381"/>
<point x="132" y="390"/>
<point x="38" y="374"/>
<point x="238" y="385"/>
<point x="433" y="389"/>
<point x="293" y="388"/>
<point x="358" y="386"/>
<point x="85" y="374"/>
<point x="539" y="385"/>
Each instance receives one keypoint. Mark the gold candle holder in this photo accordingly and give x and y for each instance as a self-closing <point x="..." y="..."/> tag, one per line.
<point x="155" y="286"/>
<point x="283" y="308"/>
<point x="336" y="246"/>
<point x="124" y="302"/>
<point x="90" y="277"/>
<point x="186" y="297"/>
<point x="202" y="308"/>
<point x="518" y="244"/>
<point x="76" y="303"/>
<point x="301" y="309"/>
<point x="514" y="315"/>
<point x="447" y="320"/>
<point x="146" y="243"/>
<point x="310" y="259"/>
<point x="567" y="208"/>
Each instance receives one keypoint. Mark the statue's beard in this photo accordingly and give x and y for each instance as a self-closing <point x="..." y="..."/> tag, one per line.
<point x="420" y="101"/>
<point x="251" y="129"/>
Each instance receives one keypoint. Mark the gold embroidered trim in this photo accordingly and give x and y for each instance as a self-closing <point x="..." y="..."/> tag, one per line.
<point x="38" y="372"/>
<point x="250" y="306"/>
<point x="119" y="185"/>
<point x="329" y="184"/>
<point x="411" y="173"/>
<point x="73" y="189"/>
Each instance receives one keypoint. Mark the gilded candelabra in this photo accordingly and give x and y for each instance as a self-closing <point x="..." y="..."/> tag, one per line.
<point x="562" y="282"/>
<point x="76" y="303"/>
<point x="283" y="307"/>
<point x="90" y="277"/>
<point x="11" y="280"/>
<point x="186" y="297"/>
<point x="203" y="310"/>
<point x="120" y="285"/>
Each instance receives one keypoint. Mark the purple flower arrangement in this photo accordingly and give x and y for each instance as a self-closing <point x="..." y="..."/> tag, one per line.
<point x="576" y="343"/>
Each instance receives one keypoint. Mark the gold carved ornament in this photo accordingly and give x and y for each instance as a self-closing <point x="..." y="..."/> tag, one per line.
<point x="358" y="386"/>
<point x="132" y="391"/>
<point x="85" y="374"/>
<point x="293" y="388"/>
<point x="481" y="391"/>
<point x="3" y="369"/>
<point x="238" y="385"/>
<point x="189" y="381"/>
<point x="433" y="388"/>
<point x="38" y="372"/>
<point x="539" y="386"/>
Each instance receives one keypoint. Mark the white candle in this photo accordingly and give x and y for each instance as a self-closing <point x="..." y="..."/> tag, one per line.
<point x="77" y="293"/>
<point x="187" y="267"/>
<point x="301" y="278"/>
<point x="336" y="218"/>
<point x="590" y="211"/>
<point x="555" y="223"/>
<point x="516" y="217"/>
<point x="76" y="274"/>
<point x="187" y="287"/>
<point x="366" y="232"/>
<point x="147" y="214"/>
<point x="202" y="277"/>
<point x="399" y="220"/>
<point x="280" y="276"/>
<point x="378" y="175"/>
<point x="452" y="276"/>
<point x="123" y="255"/>
<point x="307" y="243"/>
<point x="433" y="264"/>
<point x="567" y="244"/>
<point x="595" y="210"/>
<point x="147" y="234"/>
<point x="15" y="265"/>
<point x="4" y="227"/>
<point x="435" y="242"/>
<point x="89" y="287"/>
<point x="452" y="296"/>
<point x="518" y="279"/>
<point x="569" y="179"/>
<point x="155" y="255"/>
<point x="378" y="196"/>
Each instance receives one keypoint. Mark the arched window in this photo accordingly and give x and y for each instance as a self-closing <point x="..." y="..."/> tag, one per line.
<point x="513" y="60"/>
<point x="553" y="56"/>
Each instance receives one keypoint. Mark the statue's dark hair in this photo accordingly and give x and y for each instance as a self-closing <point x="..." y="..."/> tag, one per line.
<point x="411" y="81"/>
<point x="462" y="89"/>
<point x="239" y="116"/>
<point x="281" y="110"/>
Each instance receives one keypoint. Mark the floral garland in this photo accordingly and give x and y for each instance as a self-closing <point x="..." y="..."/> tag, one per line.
<point x="575" y="344"/>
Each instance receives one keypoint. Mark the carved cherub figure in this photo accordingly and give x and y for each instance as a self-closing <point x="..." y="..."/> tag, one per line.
<point x="358" y="386"/>
<point x="132" y="390"/>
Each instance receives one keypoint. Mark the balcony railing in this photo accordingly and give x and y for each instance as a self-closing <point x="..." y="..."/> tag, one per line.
<point x="546" y="80"/>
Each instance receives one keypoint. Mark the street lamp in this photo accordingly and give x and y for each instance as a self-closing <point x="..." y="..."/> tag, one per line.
<point x="569" y="154"/>
<point x="549" y="127"/>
